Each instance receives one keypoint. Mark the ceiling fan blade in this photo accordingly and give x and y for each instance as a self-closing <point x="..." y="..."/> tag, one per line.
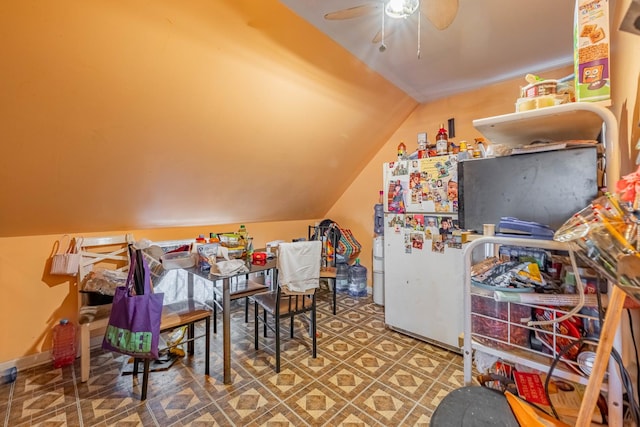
<point x="387" y="32"/>
<point x="440" y="13"/>
<point x="353" y="12"/>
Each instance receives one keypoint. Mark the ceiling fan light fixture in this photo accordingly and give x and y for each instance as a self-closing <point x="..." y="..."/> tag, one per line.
<point x="401" y="8"/>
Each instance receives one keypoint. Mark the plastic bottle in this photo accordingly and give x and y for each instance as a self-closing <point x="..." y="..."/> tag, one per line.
<point x="357" y="280"/>
<point x="422" y="148"/>
<point x="242" y="232"/>
<point x="249" y="248"/>
<point x="9" y="375"/>
<point x="442" y="141"/>
<point x="402" y="151"/>
<point x="431" y="149"/>
<point x="342" y="277"/>
<point x="64" y="344"/>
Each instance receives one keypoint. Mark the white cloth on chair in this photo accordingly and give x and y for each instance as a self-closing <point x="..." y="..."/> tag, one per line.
<point x="299" y="265"/>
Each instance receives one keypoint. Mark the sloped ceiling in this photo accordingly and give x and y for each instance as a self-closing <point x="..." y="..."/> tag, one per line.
<point x="488" y="41"/>
<point x="124" y="115"/>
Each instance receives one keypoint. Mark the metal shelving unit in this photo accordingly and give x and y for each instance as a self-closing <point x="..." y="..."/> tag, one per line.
<point x="505" y="347"/>
<point x="562" y="122"/>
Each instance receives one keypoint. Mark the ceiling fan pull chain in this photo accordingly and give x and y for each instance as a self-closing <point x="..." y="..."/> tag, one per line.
<point x="419" y="34"/>
<point x="382" y="47"/>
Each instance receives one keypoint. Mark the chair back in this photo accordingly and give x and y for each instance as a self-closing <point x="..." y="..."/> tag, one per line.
<point x="111" y="252"/>
<point x="299" y="265"/>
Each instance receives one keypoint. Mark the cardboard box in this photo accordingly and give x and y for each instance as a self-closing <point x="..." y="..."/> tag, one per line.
<point x="591" y="50"/>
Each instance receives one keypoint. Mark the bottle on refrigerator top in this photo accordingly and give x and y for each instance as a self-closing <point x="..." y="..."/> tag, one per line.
<point x="342" y="277"/>
<point x="402" y="151"/>
<point x="442" y="141"/>
<point x="422" y="146"/>
<point x="242" y="232"/>
<point x="357" y="280"/>
<point x="64" y="344"/>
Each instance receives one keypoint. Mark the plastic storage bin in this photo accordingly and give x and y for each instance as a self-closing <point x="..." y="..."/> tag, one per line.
<point x="496" y="324"/>
<point x="178" y="260"/>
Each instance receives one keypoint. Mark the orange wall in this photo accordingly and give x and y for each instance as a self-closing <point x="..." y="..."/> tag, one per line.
<point x="129" y="115"/>
<point x="355" y="206"/>
<point x="34" y="301"/>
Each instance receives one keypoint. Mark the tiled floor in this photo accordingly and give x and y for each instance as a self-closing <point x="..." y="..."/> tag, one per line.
<point x="364" y="375"/>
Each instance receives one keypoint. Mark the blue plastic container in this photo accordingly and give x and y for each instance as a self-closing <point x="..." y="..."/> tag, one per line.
<point x="357" y="280"/>
<point x="342" y="277"/>
<point x="378" y="219"/>
<point x="9" y="375"/>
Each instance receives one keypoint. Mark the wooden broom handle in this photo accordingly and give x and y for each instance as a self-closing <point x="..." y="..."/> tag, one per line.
<point x="607" y="335"/>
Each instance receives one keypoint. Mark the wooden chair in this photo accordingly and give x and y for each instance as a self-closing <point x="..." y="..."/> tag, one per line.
<point x="329" y="239"/>
<point x="176" y="315"/>
<point x="110" y="253"/>
<point x="298" y="277"/>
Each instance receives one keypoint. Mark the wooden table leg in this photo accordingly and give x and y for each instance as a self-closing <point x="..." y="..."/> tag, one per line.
<point x="607" y="334"/>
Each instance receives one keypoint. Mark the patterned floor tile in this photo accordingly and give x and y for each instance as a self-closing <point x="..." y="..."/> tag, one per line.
<point x="428" y="363"/>
<point x="418" y="417"/>
<point x="347" y="382"/>
<point x="352" y="416"/>
<point x="175" y="404"/>
<point x="452" y="376"/>
<point x="138" y="416"/>
<point x="248" y="403"/>
<point x="44" y="403"/>
<point x="411" y="383"/>
<point x="365" y="374"/>
<point x="98" y="409"/>
<point x="369" y="362"/>
<point x="280" y="416"/>
<point x="316" y="404"/>
<point x="434" y="396"/>
<point x="386" y="405"/>
<point x="322" y="363"/>
<point x="286" y="382"/>
<point x="67" y="416"/>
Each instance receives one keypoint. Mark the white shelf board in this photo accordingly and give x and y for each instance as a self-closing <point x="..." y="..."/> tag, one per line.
<point x="531" y="360"/>
<point x="577" y="120"/>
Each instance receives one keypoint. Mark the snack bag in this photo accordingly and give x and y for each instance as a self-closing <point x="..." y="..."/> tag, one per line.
<point x="591" y="50"/>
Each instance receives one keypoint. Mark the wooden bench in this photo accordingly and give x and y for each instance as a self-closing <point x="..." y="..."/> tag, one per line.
<point x="110" y="253"/>
<point x="181" y="305"/>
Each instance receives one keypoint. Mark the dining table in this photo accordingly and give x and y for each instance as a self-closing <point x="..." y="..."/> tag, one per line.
<point x="267" y="266"/>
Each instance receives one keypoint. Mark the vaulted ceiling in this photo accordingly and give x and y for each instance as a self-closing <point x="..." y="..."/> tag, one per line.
<point x="119" y="115"/>
<point x="487" y="41"/>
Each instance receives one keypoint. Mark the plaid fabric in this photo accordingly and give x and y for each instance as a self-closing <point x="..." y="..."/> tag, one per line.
<point x="348" y="246"/>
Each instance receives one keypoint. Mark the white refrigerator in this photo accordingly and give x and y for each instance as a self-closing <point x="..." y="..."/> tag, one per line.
<point x="423" y="262"/>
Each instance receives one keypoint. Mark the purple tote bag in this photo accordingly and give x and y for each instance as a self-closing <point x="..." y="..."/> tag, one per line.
<point x="134" y="323"/>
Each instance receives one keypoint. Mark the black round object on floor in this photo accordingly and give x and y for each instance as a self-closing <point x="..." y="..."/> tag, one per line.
<point x="474" y="406"/>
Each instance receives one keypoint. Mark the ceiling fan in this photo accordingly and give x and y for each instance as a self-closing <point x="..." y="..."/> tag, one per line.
<point x="440" y="13"/>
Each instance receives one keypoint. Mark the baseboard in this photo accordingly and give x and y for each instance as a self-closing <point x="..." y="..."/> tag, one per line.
<point x="42" y="358"/>
<point x="27" y="362"/>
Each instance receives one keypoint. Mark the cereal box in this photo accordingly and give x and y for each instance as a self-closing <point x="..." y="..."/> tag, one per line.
<point x="591" y="50"/>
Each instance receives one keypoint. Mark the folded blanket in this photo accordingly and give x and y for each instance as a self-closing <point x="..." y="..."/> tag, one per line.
<point x="228" y="268"/>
